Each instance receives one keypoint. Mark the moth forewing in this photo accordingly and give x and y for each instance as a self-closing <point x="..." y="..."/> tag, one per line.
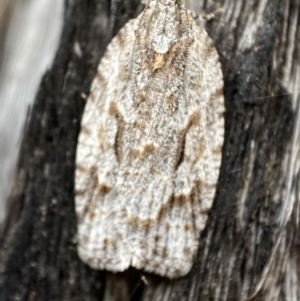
<point x="149" y="149"/>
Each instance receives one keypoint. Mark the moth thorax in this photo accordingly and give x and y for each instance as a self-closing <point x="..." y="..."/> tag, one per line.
<point x="165" y="28"/>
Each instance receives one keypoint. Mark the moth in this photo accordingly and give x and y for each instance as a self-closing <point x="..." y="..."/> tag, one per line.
<point x="150" y="145"/>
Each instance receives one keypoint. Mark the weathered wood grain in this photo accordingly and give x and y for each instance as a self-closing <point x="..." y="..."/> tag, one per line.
<point x="249" y="248"/>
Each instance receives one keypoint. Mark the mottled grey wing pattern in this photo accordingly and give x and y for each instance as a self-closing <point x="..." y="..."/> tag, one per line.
<point x="149" y="152"/>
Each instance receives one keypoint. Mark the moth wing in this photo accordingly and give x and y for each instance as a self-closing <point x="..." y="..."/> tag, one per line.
<point x="101" y="244"/>
<point x="198" y="173"/>
<point x="205" y="137"/>
<point x="184" y="215"/>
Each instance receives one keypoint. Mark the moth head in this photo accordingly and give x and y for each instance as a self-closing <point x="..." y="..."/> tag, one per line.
<point x="171" y="3"/>
<point x="168" y="2"/>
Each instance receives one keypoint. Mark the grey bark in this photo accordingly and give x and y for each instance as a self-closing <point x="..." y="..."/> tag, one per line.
<point x="249" y="249"/>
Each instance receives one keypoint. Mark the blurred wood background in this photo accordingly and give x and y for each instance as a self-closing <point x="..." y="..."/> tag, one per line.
<point x="250" y="248"/>
<point x="29" y="36"/>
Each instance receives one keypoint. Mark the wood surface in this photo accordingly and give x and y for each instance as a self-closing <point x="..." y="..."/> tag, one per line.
<point x="250" y="248"/>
